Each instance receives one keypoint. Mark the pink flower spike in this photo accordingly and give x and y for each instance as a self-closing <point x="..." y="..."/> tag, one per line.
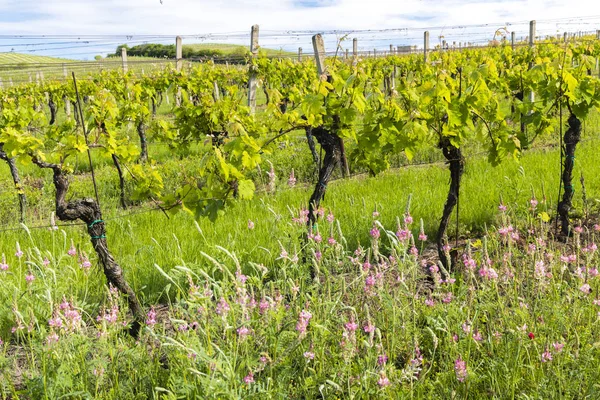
<point x="546" y="356"/>
<point x="558" y="347"/>
<point x="250" y="225"/>
<point x="3" y="264"/>
<point x="383" y="380"/>
<point x="460" y="369"/>
<point x="19" y="253"/>
<point x="248" y="379"/>
<point x="29" y="278"/>
<point x="309" y="355"/>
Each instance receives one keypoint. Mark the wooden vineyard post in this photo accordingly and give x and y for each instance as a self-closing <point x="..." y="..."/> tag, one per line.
<point x="425" y="45"/>
<point x="253" y="82"/>
<point x="178" y="53"/>
<point x="346" y="52"/>
<point x="512" y="40"/>
<point x="319" y="49"/>
<point x="216" y="94"/>
<point x="531" y="45"/>
<point x="374" y="53"/>
<point x="391" y="49"/>
<point x="1" y="84"/>
<point x="65" y="72"/>
<point x="299" y="54"/>
<point x="355" y="49"/>
<point x="124" y="59"/>
<point x="598" y="34"/>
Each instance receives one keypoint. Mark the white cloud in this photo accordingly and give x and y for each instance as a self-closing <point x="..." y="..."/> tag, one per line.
<point x="190" y="17"/>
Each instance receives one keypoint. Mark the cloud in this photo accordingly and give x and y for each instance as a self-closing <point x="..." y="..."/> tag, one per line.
<point x="235" y="17"/>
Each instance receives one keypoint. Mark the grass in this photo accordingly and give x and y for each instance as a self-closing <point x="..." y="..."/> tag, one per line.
<point x="233" y="311"/>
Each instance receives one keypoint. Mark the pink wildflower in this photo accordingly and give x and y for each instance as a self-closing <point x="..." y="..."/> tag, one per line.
<point x="374" y="233"/>
<point x="250" y="225"/>
<point x="248" y="379"/>
<point x="292" y="179"/>
<point x="309" y="355"/>
<point x="460" y="369"/>
<point x="151" y="317"/>
<point x="546" y="356"/>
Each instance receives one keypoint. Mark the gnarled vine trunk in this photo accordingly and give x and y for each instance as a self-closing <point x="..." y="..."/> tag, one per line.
<point x="117" y="164"/>
<point x="571" y="138"/>
<point x="53" y="110"/>
<point x="88" y="211"/>
<point x="456" y="163"/>
<point x="330" y="143"/>
<point x="311" y="145"/>
<point x="141" y="129"/>
<point x="14" y="172"/>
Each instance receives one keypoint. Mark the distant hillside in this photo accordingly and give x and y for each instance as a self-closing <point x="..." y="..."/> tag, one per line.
<point x="17" y="58"/>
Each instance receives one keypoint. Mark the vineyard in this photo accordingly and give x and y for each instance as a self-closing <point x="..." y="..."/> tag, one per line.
<point x="332" y="226"/>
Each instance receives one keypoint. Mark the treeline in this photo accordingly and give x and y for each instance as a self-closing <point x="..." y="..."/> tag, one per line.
<point x="168" y="51"/>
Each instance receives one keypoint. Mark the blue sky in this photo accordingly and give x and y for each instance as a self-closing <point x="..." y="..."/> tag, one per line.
<point x="79" y="28"/>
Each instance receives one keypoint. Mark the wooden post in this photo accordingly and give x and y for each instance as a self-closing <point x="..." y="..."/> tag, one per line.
<point x="443" y="44"/>
<point x="391" y="49"/>
<point x="65" y="72"/>
<point x="374" y="53"/>
<point x="512" y="40"/>
<point x="346" y="54"/>
<point x="319" y="49"/>
<point x="178" y="53"/>
<point x="1" y="84"/>
<point x="124" y="59"/>
<point x="216" y="93"/>
<point x="598" y="34"/>
<point x="355" y="48"/>
<point x="566" y="37"/>
<point x="299" y="54"/>
<point x="425" y="44"/>
<point x="531" y="44"/>
<point x="253" y="82"/>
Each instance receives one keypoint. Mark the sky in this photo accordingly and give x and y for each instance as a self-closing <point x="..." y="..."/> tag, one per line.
<point x="83" y="28"/>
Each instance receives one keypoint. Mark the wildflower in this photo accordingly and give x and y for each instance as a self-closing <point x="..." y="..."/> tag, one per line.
<point x="330" y="217"/>
<point x="272" y="178"/>
<point x="533" y="203"/>
<point x="318" y="238"/>
<point x="52" y="338"/>
<point x="382" y="359"/>
<point x="558" y="347"/>
<point x="318" y="255"/>
<point x="222" y="307"/>
<point x="403" y="234"/>
<point x="351" y="326"/>
<point x="72" y="250"/>
<point x="240" y="277"/>
<point x="243" y="331"/>
<point x="414" y="251"/>
<point x="303" y="320"/>
<point x="383" y="380"/>
<point x="375" y="214"/>
<point x="422" y="235"/>
<point x="46" y="262"/>
<point x="151" y="317"/>
<point x="448" y="298"/>
<point x="531" y="335"/>
<point x="250" y="225"/>
<point x="3" y="264"/>
<point x="460" y="369"/>
<point x="477" y="336"/>
<point x="578" y="229"/>
<point x="374" y="233"/>
<point x="292" y="179"/>
<point x="430" y="302"/>
<point x="86" y="264"/>
<point x="502" y="207"/>
<point x="53" y="226"/>
<point x="546" y="356"/>
<point x="19" y="253"/>
<point x="597" y="227"/>
<point x="586" y="288"/>
<point x="369" y="328"/>
<point x="408" y="219"/>
<point x="466" y="327"/>
<point x="331" y="241"/>
<point x="309" y="355"/>
<point x="29" y="278"/>
<point x="370" y="281"/>
<point x="248" y="379"/>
